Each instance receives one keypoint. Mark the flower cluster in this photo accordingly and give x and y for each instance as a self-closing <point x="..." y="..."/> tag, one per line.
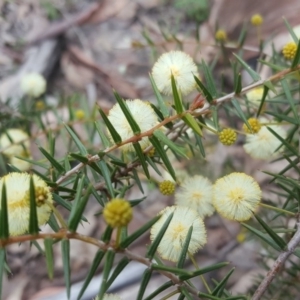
<point x="144" y="116"/>
<point x="18" y="201"/>
<point x="117" y="213"/>
<point x="236" y="196"/>
<point x="257" y="20"/>
<point x="264" y="143"/>
<point x="221" y="35"/>
<point x="15" y="142"/>
<point x="289" y="50"/>
<point x="33" y="84"/>
<point x="255" y="126"/>
<point x="167" y="187"/>
<point x="181" y="66"/>
<point x="227" y="136"/>
<point x="255" y="95"/>
<point x="172" y="243"/>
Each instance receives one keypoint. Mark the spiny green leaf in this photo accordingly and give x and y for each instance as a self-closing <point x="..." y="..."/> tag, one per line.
<point x="204" y="90"/>
<point x="265" y="93"/>
<point x="153" y="247"/>
<point x="2" y="268"/>
<point x="94" y="266"/>
<point x="274" y="236"/>
<point x="131" y="238"/>
<point x="77" y="215"/>
<point x="255" y="76"/>
<point x="52" y="161"/>
<point x="185" y="292"/>
<point x="240" y="112"/>
<point x="140" y="154"/>
<point x="33" y="219"/>
<point x="238" y="83"/>
<point x="65" y="250"/>
<point x="209" y="79"/>
<point x="161" y="103"/>
<point x="107" y="234"/>
<point x="76" y="140"/>
<point x="220" y="287"/>
<point x="179" y="271"/>
<point x="4" y="225"/>
<point x="145" y="280"/>
<point x="48" y="242"/>
<point x="129" y="117"/>
<point x="291" y="31"/>
<point x="203" y="271"/>
<point x="177" y="99"/>
<point x="137" y="180"/>
<point x="117" y="271"/>
<point x="289" y="98"/>
<point x="189" y="120"/>
<point x="262" y="236"/>
<point x="161" y="152"/>
<point x="109" y="260"/>
<point x="162" y="137"/>
<point x="116" y="137"/>
<point x="104" y="139"/>
<point x="83" y="159"/>
<point x="162" y="288"/>
<point x="185" y="248"/>
<point x="107" y="177"/>
<point x="297" y="56"/>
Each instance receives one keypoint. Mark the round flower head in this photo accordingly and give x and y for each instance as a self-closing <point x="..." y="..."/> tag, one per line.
<point x="109" y="297"/>
<point x="289" y="50"/>
<point x="255" y="126"/>
<point x="11" y="140"/>
<point x="144" y="116"/>
<point x="18" y="201"/>
<point x="117" y="213"/>
<point x="263" y="144"/>
<point x="221" y="35"/>
<point x="227" y="136"/>
<point x="255" y="95"/>
<point x="167" y="187"/>
<point x="79" y="114"/>
<point x="236" y="196"/>
<point x="181" y="66"/>
<point x="33" y="84"/>
<point x="196" y="193"/>
<point x="171" y="245"/>
<point x="257" y="20"/>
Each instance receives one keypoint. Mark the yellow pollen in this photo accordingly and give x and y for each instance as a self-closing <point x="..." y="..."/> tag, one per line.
<point x="237" y="195"/>
<point x="177" y="230"/>
<point x="174" y="71"/>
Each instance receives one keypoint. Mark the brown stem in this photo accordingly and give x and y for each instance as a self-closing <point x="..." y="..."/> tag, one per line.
<point x="293" y="243"/>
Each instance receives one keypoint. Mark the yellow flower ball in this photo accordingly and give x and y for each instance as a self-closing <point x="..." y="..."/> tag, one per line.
<point x="254" y="124"/>
<point x="79" y="114"/>
<point x="289" y="51"/>
<point x="257" y="20"/>
<point x="227" y="136"/>
<point x="167" y="187"/>
<point x="221" y="35"/>
<point x="117" y="213"/>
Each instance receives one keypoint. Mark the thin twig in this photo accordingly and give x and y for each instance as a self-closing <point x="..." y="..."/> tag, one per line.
<point x="293" y="243"/>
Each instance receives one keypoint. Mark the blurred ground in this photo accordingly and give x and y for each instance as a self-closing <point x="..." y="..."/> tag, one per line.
<point x="89" y="47"/>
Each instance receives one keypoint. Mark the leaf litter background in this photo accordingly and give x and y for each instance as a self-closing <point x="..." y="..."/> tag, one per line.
<point x="88" y="47"/>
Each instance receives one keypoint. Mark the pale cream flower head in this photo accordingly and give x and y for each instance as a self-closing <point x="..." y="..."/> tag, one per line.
<point x="109" y="297"/>
<point x="236" y="196"/>
<point x="18" y="201"/>
<point x="144" y="116"/>
<point x="33" y="84"/>
<point x="18" y="145"/>
<point x="182" y="67"/>
<point x="263" y="144"/>
<point x="196" y="192"/>
<point x="255" y="95"/>
<point x="171" y="245"/>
